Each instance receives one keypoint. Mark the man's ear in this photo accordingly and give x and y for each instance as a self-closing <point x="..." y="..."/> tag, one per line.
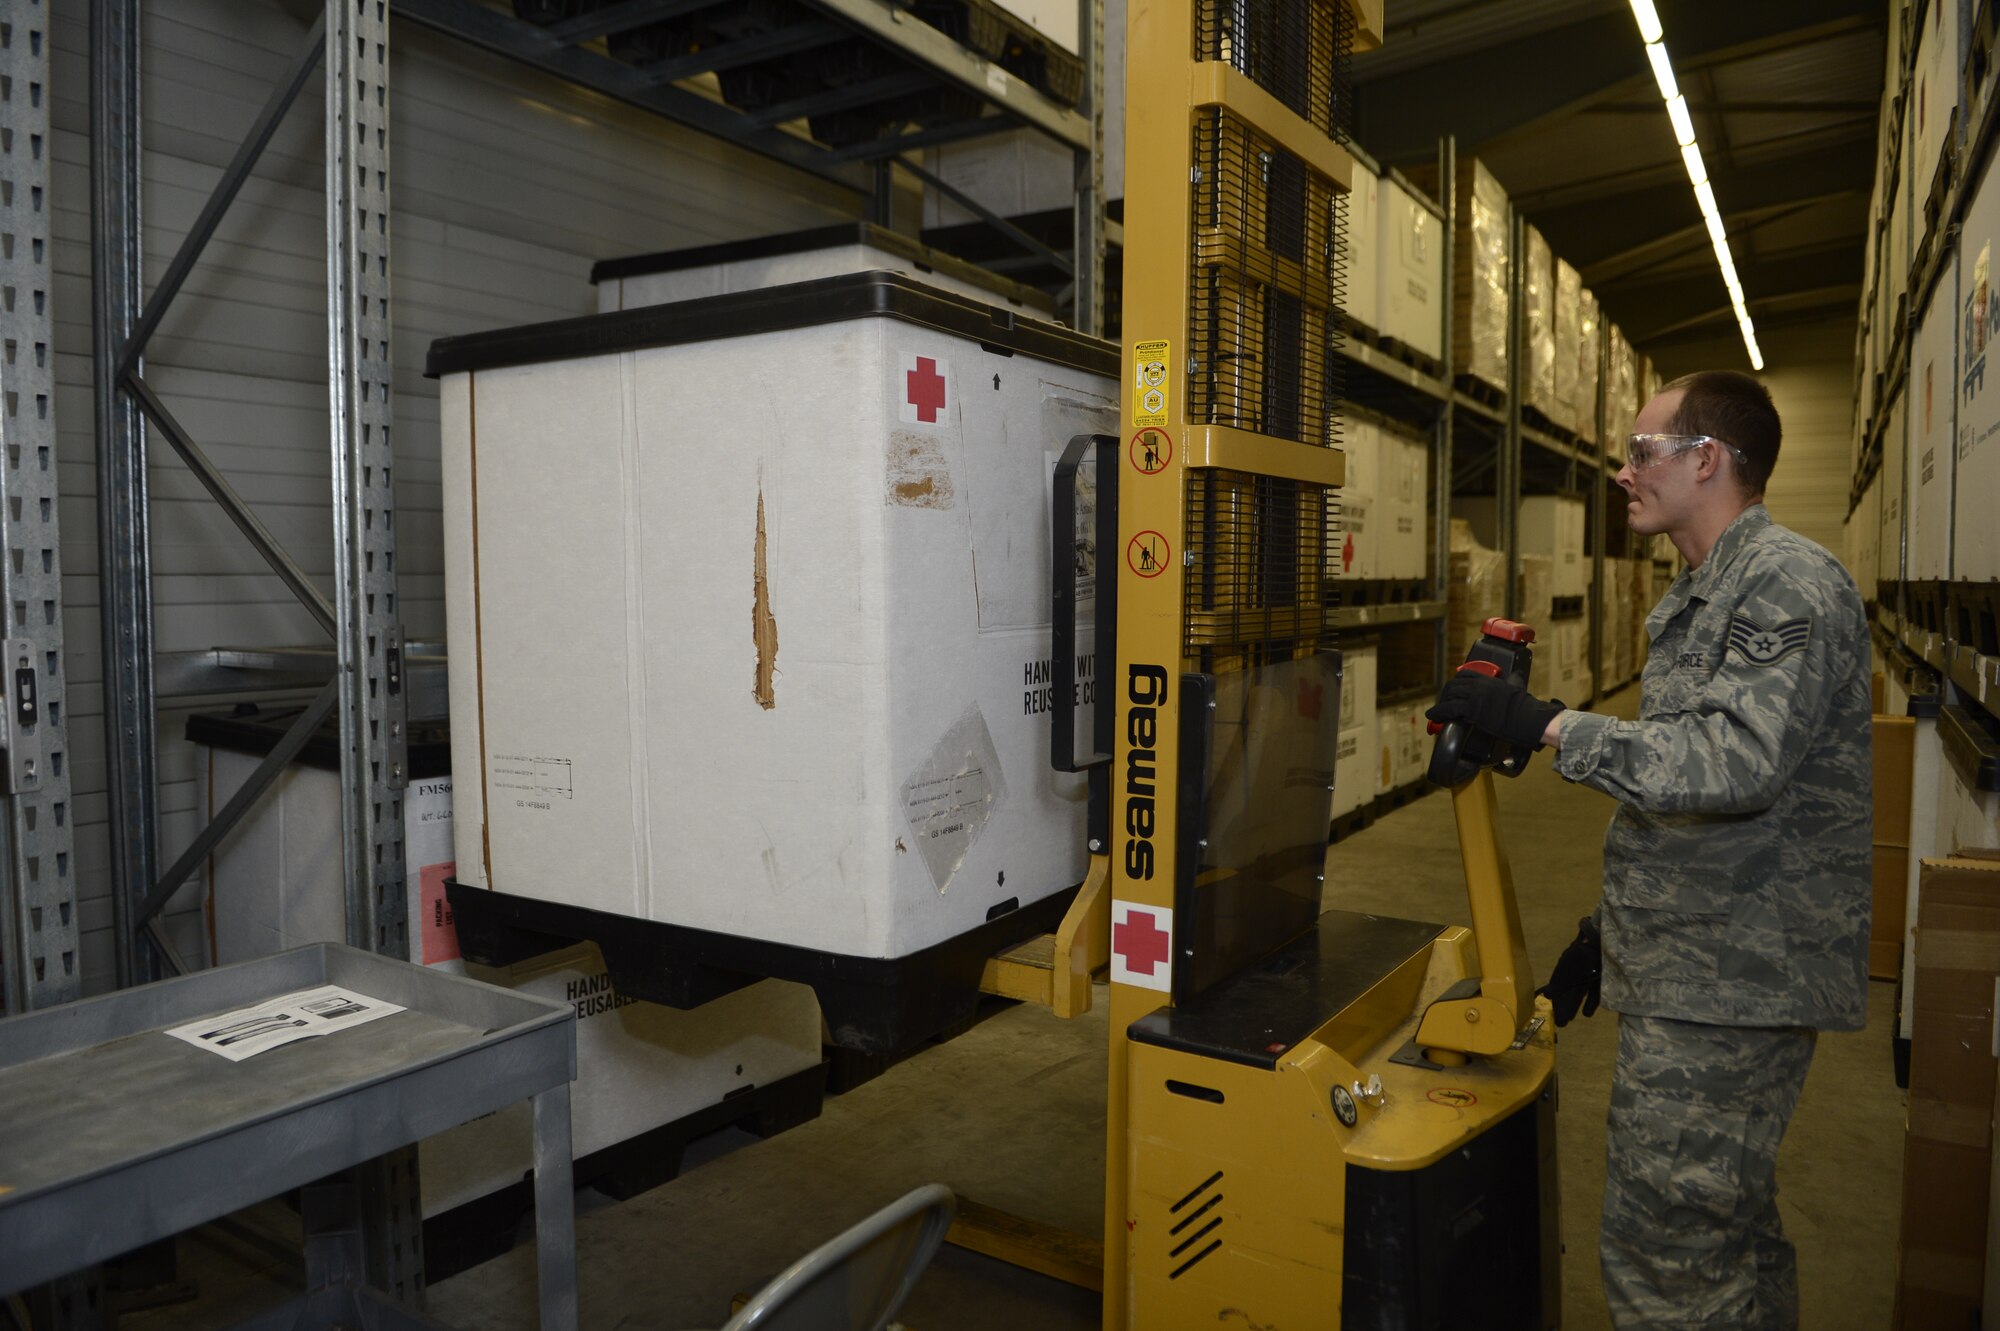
<point x="1708" y="462"/>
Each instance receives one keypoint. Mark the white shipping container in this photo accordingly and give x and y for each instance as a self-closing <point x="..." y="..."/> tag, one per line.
<point x="1933" y="430"/>
<point x="799" y="256"/>
<point x="1026" y="171"/>
<point x="752" y="598"/>
<point x="1405" y="743"/>
<point x="1356" y="557"/>
<point x="1891" y="480"/>
<point x="1410" y="243"/>
<point x="1402" y="509"/>
<point x="639" y="1066"/>
<point x="275" y="881"/>
<point x="1975" y="535"/>
<point x="1358" y="756"/>
<point x="1934" y="87"/>
<point x="1363" y="295"/>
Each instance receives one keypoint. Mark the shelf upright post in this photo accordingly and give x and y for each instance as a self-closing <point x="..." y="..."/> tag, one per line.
<point x="1507" y="474"/>
<point x="368" y="644"/>
<point x="1088" y="279"/>
<point x="1441" y="432"/>
<point x="124" y="539"/>
<point x="39" y="960"/>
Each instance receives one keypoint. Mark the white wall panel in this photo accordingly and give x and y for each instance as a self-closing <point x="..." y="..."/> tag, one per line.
<point x="507" y="187"/>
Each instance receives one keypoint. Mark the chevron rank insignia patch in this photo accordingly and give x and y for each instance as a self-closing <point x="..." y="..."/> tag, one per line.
<point x="1761" y="646"/>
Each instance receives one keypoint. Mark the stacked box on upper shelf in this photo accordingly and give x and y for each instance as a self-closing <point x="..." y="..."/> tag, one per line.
<point x="1932" y="399"/>
<point x="1568" y="325"/>
<point x="1621" y="393"/>
<point x="1934" y="86"/>
<point x="1480" y="274"/>
<point x="1362" y="300"/>
<point x="1538" y="326"/>
<point x="1975" y="536"/>
<point x="1410" y="260"/>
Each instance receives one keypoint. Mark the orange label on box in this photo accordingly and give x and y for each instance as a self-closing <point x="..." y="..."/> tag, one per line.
<point x="440" y="934"/>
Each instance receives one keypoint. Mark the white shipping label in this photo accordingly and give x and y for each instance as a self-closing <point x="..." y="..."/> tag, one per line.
<point x="948" y="800"/>
<point x="304" y="1015"/>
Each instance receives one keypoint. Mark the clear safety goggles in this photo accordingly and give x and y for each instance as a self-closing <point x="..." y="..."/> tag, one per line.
<point x="1650" y="450"/>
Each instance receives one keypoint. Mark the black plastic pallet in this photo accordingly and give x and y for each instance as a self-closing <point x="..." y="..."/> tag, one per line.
<point x="1973" y="611"/>
<point x="873" y="1005"/>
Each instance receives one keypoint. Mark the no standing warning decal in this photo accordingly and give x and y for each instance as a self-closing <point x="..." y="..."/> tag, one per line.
<point x="1152" y="382"/>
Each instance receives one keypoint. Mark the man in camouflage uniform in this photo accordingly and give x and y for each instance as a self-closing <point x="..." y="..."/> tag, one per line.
<point x="1734" y="922"/>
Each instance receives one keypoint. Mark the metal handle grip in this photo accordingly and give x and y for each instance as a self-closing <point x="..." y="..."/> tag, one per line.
<point x="1062" y="628"/>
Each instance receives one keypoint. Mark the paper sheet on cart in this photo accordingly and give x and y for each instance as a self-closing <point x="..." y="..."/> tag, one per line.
<point x="250" y="1031"/>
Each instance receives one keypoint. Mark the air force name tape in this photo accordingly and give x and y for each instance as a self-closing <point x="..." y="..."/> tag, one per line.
<point x="1761" y="646"/>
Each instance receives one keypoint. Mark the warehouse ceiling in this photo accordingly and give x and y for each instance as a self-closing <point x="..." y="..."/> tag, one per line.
<point x="1556" y="97"/>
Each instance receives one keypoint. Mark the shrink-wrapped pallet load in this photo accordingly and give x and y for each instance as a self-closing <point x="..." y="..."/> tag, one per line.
<point x="1568" y="326"/>
<point x="1477" y="590"/>
<point x="1590" y="364"/>
<point x="1538" y="325"/>
<point x="1535" y="601"/>
<point x="1480" y="274"/>
<point x="1621" y="391"/>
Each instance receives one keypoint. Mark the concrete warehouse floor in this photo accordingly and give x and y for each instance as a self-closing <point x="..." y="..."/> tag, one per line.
<point x="1012" y="1115"/>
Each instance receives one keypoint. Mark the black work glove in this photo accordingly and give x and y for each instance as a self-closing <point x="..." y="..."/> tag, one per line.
<point x="1574" y="983"/>
<point x="1504" y="711"/>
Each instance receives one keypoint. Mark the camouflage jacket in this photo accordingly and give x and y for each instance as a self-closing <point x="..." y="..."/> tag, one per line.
<point x="1737" y="867"/>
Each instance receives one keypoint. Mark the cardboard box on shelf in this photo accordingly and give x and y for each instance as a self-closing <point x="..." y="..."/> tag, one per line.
<point x="1358" y="757"/>
<point x="1475" y="590"/>
<point x="1942" y="1240"/>
<point x="1551" y="525"/>
<point x="1409" y="245"/>
<point x="1402" y="505"/>
<point x="1354" y="557"/>
<point x="1362" y="299"/>
<point x="1481" y="275"/>
<point x="1568" y="333"/>
<point x="1535" y="601"/>
<point x="1538" y="326"/>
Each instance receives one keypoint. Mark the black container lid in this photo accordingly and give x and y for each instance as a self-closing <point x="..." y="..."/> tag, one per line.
<point x="248" y="728"/>
<point x="1970" y="746"/>
<point x="923" y="257"/>
<point x="827" y="300"/>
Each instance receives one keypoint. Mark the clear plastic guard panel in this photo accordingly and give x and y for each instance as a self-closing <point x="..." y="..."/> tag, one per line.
<point x="1256" y="790"/>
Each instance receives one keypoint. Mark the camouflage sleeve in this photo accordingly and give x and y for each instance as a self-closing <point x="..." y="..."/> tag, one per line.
<point x="1725" y="742"/>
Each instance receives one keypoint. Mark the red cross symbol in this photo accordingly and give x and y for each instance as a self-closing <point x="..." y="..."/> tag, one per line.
<point x="1140" y="942"/>
<point x="1347" y="554"/>
<point x="926" y="389"/>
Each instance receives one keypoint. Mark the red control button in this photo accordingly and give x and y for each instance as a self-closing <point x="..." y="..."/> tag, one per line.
<point x="1507" y="630"/>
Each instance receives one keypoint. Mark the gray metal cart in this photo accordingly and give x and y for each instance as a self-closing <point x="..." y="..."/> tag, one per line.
<point x="117" y="1134"/>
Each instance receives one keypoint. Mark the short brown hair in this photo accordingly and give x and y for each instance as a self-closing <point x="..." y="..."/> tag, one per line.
<point x="1733" y="407"/>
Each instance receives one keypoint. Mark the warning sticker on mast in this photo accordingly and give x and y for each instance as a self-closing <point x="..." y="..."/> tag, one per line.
<point x="1142" y="945"/>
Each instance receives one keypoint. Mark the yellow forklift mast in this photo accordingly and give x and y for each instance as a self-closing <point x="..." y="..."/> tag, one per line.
<point x="1316" y="1118"/>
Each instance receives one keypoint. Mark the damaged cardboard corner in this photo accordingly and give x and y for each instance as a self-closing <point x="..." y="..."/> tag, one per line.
<point x="763" y="624"/>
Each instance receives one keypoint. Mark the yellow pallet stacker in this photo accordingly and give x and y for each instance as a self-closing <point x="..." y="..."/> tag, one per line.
<point x="1315" y="1119"/>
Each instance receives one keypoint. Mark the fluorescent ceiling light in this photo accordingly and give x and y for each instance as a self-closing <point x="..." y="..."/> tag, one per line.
<point x="1681" y="118"/>
<point x="1663" y="70"/>
<point x="1677" y="112"/>
<point x="1697" y="169"/>
<point x="1649" y="20"/>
